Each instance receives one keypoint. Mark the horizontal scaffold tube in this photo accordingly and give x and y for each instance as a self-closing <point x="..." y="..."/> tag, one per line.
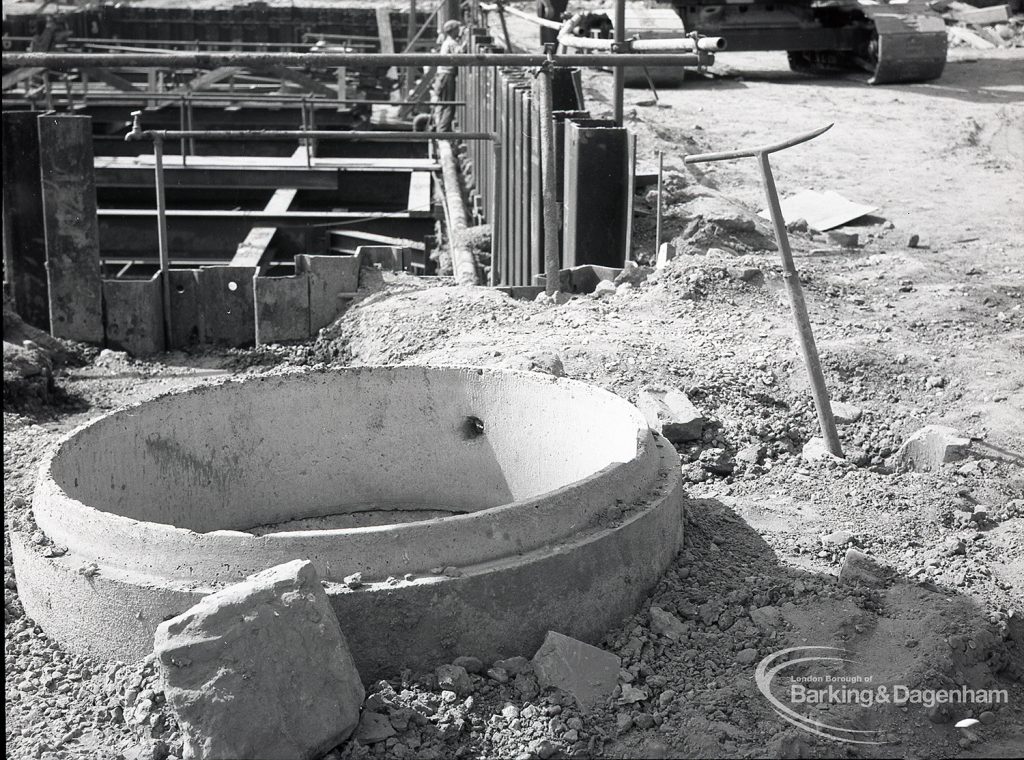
<point x="299" y="134"/>
<point x="66" y="61"/>
<point x="678" y="44"/>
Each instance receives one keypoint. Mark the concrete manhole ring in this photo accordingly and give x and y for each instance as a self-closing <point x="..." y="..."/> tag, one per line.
<point x="482" y="508"/>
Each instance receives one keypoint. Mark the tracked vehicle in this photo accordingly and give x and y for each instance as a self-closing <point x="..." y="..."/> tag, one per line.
<point x="895" y="43"/>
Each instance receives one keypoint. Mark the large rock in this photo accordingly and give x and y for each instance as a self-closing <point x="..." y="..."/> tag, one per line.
<point x="261" y="669"/>
<point x="860" y="569"/>
<point x="931" y="447"/>
<point x="671" y="413"/>
<point x="587" y="673"/>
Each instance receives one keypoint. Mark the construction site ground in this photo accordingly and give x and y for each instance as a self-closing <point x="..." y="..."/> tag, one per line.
<point x="912" y="336"/>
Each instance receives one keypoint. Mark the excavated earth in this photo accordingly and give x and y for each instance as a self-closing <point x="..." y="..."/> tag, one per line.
<point x="932" y="334"/>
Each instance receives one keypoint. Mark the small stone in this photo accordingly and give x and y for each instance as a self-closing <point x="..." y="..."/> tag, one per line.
<point x="454" y="678"/>
<point x="844" y="239"/>
<point x="373" y="728"/>
<point x="514" y="665"/>
<point x="845" y="414"/>
<point x="664" y="623"/>
<point x="988" y="717"/>
<point x="632" y="694"/>
<point x="815" y="450"/>
<point x="767" y="617"/>
<point x="527" y="686"/>
<point x="452" y="572"/>
<point x="498" y="674"/>
<point x="671" y="413"/>
<point x="746" y="656"/>
<point x="798" y="225"/>
<point x="953" y="546"/>
<point x="586" y="672"/>
<point x="510" y="712"/>
<point x="860" y="569"/>
<point x="644" y="721"/>
<point x="934" y="381"/>
<point x="931" y="447"/>
<point x="623" y="722"/>
<point x="980" y="514"/>
<point x="752" y="454"/>
<point x="838" y="538"/>
<point x="913" y="241"/>
<point x="471" y="664"/>
<point x="604" y="288"/>
<point x="717" y="461"/>
<point x="353" y="581"/>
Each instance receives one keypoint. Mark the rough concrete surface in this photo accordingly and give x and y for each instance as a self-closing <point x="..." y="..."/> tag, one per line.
<point x="260" y="669"/>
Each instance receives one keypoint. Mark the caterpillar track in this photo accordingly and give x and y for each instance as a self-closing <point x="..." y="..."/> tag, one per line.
<point x="894" y="43"/>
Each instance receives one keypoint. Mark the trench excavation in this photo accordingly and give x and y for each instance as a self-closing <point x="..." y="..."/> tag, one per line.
<point x="482" y="508"/>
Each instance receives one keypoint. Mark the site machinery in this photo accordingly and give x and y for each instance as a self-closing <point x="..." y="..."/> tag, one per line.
<point x="896" y="43"/>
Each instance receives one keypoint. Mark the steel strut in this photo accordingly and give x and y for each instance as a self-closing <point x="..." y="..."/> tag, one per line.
<point x="790" y="276"/>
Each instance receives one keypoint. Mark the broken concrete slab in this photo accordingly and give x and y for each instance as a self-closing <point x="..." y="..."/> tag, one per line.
<point x="822" y="211"/>
<point x="586" y="672"/>
<point x="373" y="728"/>
<point x="260" y="669"/>
<point x="931" y="447"/>
<point x="670" y="412"/>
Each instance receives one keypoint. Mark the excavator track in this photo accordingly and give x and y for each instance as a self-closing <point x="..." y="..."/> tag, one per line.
<point x="908" y="45"/>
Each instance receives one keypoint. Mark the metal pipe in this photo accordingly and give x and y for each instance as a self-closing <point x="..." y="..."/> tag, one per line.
<point x="299" y="134"/>
<point x="504" y="28"/>
<point x="315" y="100"/>
<point x="496" y="180"/>
<point x="161" y="235"/>
<point x="547" y="153"/>
<point x="568" y="38"/>
<point x="791" y="278"/>
<point x="64" y="61"/>
<point x="619" y="86"/>
<point x="410" y="33"/>
<point x="463" y="263"/>
<point x="657" y="228"/>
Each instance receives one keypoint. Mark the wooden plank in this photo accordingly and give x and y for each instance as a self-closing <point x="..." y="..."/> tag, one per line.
<point x="387" y="40"/>
<point x="374" y="238"/>
<point x="20" y="75"/>
<point x="302" y="80"/>
<point x="419" y="192"/>
<point x="109" y="77"/>
<point x="254" y="250"/>
<point x="281" y="200"/>
<point x="419" y="95"/>
<point x="71" y="229"/>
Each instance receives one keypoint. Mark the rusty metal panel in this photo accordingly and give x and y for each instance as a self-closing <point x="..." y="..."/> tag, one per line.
<point x="133" y="315"/>
<point x="24" y="237"/>
<point x="186" y="310"/>
<point x="227" y="304"/>
<point x="71" y="230"/>
<point x="333" y="281"/>
<point x="598" y="182"/>
<point x="282" y="308"/>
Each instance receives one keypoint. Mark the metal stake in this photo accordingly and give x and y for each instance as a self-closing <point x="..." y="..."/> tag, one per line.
<point x="791" y="278"/>
<point x="657" y="228"/>
<point x="547" y="153"/>
<point x="619" y="88"/>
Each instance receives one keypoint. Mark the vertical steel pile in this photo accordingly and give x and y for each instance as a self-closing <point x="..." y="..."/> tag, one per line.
<point x="504" y="178"/>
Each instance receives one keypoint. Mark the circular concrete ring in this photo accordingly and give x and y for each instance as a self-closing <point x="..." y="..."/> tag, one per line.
<point x="512" y="504"/>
